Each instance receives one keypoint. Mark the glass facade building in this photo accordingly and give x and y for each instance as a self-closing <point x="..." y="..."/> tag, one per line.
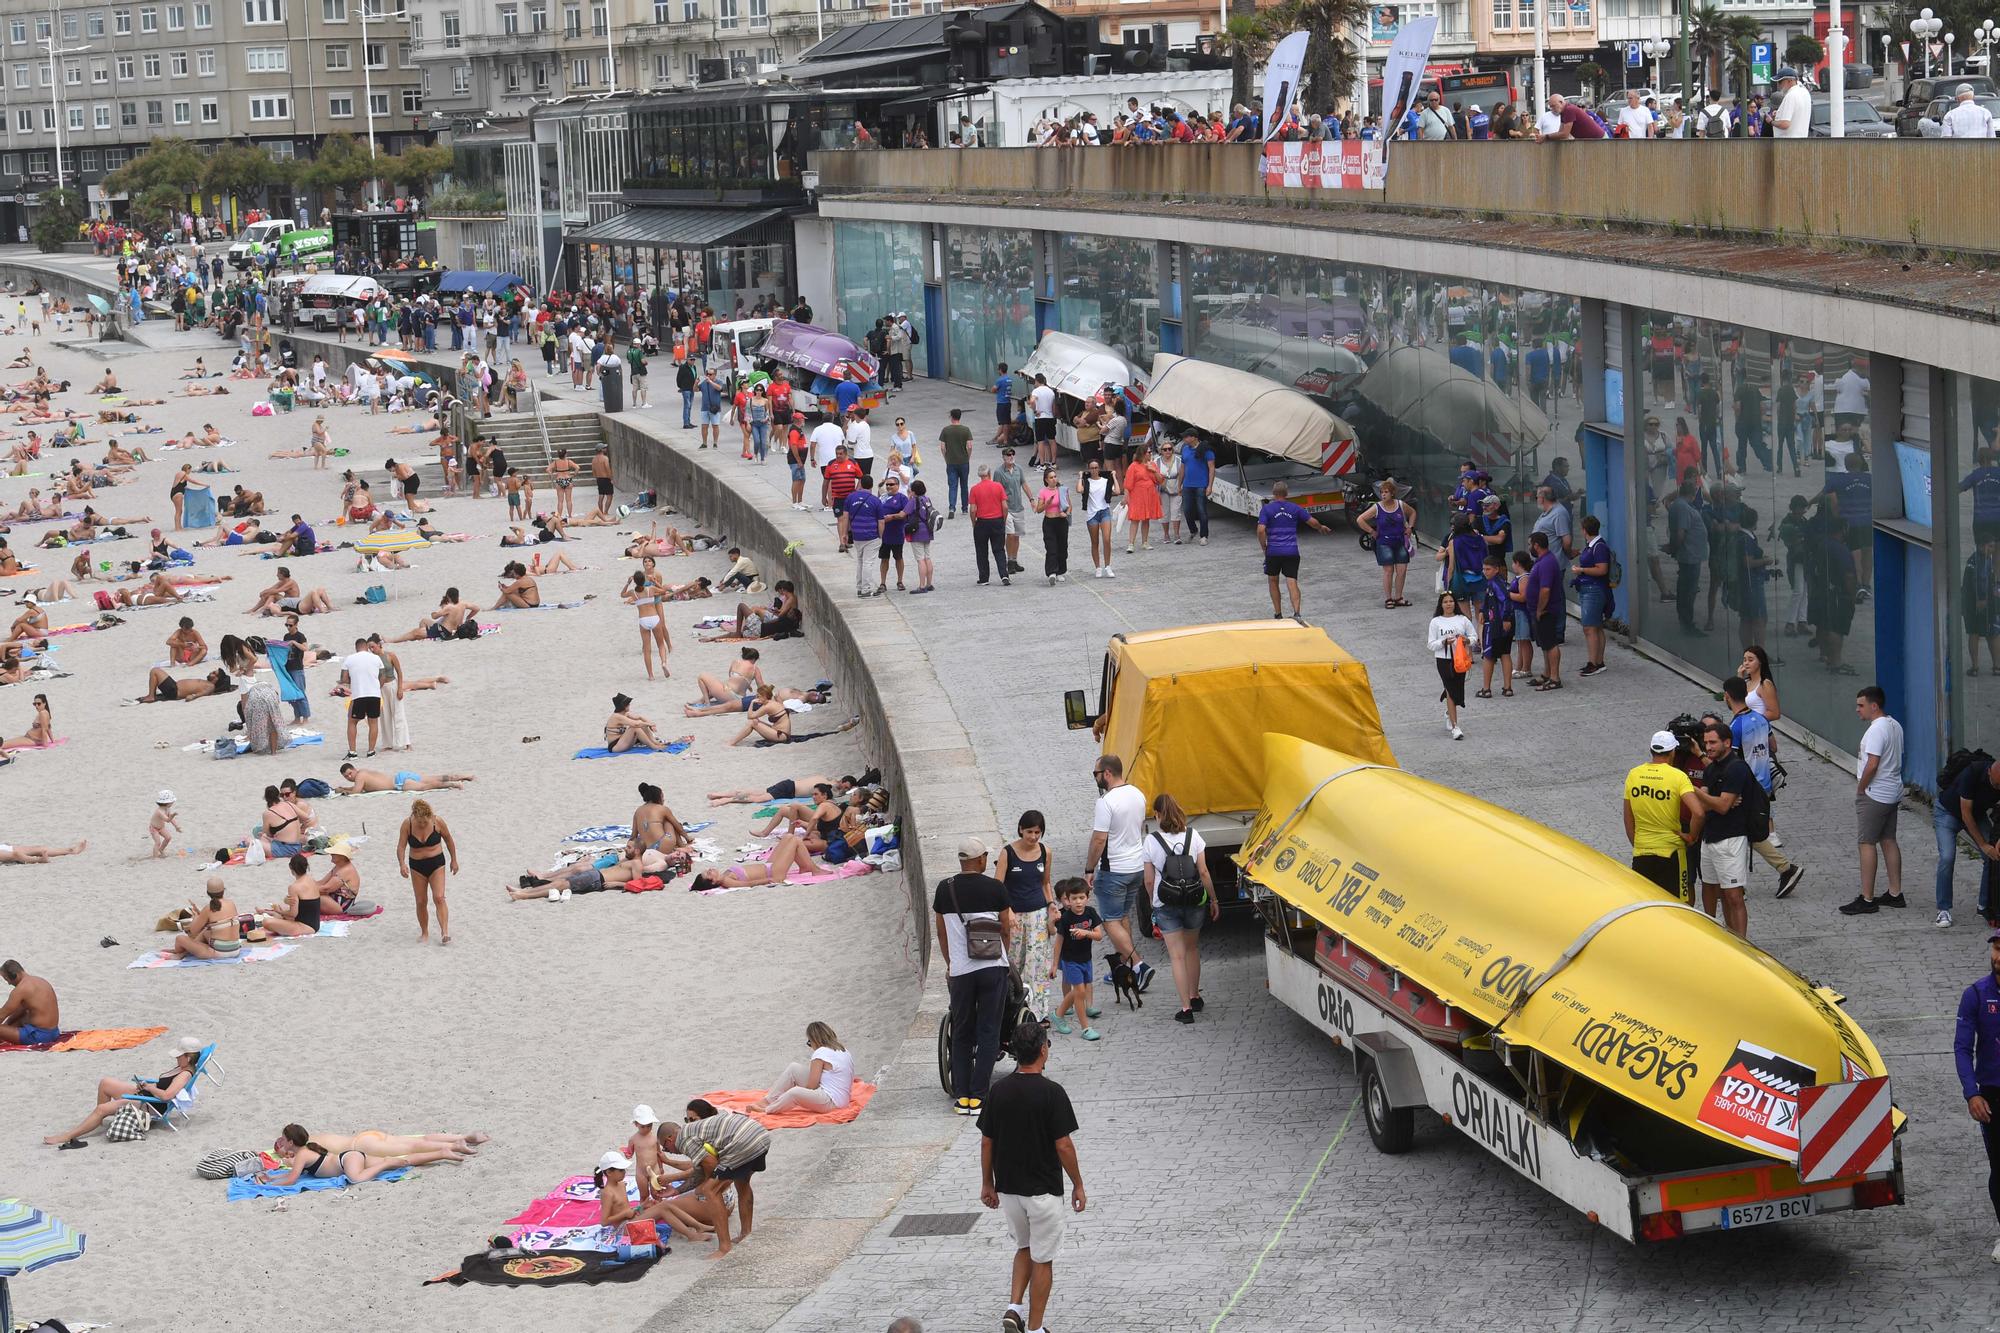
<point x="881" y="270"/>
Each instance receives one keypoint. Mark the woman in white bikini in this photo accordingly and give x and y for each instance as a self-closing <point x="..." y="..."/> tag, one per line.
<point x="645" y="593"/>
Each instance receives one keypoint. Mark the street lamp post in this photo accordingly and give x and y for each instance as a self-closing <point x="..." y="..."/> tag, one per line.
<point x="1687" y="71"/>
<point x="1949" y="38"/>
<point x="368" y="93"/>
<point x="1657" y="47"/>
<point x="1924" y="27"/>
<point x="1836" y="72"/>
<point x="1985" y="34"/>
<point x="55" y="91"/>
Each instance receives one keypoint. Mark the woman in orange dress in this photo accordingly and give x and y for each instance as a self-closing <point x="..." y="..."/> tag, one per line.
<point x="1142" y="500"/>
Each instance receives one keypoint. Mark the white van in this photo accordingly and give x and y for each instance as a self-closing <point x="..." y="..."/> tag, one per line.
<point x="328" y="300"/>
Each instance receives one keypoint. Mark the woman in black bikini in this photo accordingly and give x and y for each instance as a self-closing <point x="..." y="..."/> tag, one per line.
<point x="299" y="913"/>
<point x="310" y="1159"/>
<point x="111" y="1094"/>
<point x="419" y="857"/>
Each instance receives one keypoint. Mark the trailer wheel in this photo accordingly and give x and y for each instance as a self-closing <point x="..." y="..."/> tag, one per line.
<point x="1392" y="1130"/>
<point x="944" y="1053"/>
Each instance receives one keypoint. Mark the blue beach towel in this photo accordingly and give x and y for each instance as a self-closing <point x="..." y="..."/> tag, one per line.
<point x="290" y="687"/>
<point x="599" y="752"/>
<point x="244" y="1188"/>
<point x="198" y="509"/>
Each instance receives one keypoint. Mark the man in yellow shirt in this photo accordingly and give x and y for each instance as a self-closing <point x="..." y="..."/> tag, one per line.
<point x="1657" y="796"/>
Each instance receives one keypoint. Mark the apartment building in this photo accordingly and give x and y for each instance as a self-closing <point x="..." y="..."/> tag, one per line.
<point x="485" y="58"/>
<point x="102" y="80"/>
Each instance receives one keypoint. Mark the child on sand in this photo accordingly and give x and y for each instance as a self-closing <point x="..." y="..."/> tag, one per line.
<point x="163" y="819"/>
<point x="1076" y="926"/>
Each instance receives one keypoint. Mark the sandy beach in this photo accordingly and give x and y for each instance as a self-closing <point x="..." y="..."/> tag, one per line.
<point x="541" y="1024"/>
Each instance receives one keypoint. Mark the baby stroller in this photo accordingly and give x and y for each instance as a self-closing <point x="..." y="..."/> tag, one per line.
<point x="1015" y="1013"/>
<point x="288" y="355"/>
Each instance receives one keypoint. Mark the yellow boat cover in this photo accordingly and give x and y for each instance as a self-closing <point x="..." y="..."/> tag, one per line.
<point x="1189" y="707"/>
<point x="1661" y="1005"/>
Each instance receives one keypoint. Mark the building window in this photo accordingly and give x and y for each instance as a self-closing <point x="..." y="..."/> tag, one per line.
<point x="204" y="14"/>
<point x="211" y="111"/>
<point x="579" y="74"/>
<point x="266" y="59"/>
<point x="128" y="69"/>
<point x="572" y="20"/>
<point x="128" y="114"/>
<point x="42" y="74"/>
<point x="768" y="55"/>
<point x="688" y="68"/>
<point x="691" y="11"/>
<point x="280" y="150"/>
<point x="461" y="78"/>
<point x="333" y="11"/>
<point x="156" y="113"/>
<point x="76" y="118"/>
<point x="510" y="76"/>
<point x="121" y="22"/>
<point x="510" y="20"/>
<point x="24" y="120"/>
<point x="606" y="75"/>
<point x="725" y="12"/>
<point x="150" y="64"/>
<point x="10" y="164"/>
<point x="663" y="68"/>
<point x="149" y="19"/>
<point x="538" y="18"/>
<point x="177" y="64"/>
<point x="378" y="104"/>
<point x="377" y="54"/>
<point x="663" y="11"/>
<point x="413" y="101"/>
<point x="100" y="116"/>
<point x="115" y="158"/>
<point x="452" y="38"/>
<point x="183" y="112"/>
<point x="600" y="22"/>
<point x="71" y="27"/>
<point x="38" y="163"/>
<point x="100" y="71"/>
<point x="93" y="23"/>
<point x="340" y="106"/>
<point x="264" y="11"/>
<point x="760" y="13"/>
<point x="1503" y="15"/>
<point x="204" y="64"/>
<point x="88" y="159"/>
<point x="72" y="75"/>
<point x="44" y="30"/>
<point x="21" y="75"/>
<point x="339" y="57"/>
<point x="271" y="107"/>
<point x="899" y="9"/>
<point x="177" y="18"/>
<point x="541" y="76"/>
<point x="403" y="56"/>
<point x="17" y="32"/>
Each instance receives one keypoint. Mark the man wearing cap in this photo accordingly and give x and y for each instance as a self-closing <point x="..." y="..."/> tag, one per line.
<point x="1794" y="114"/>
<point x="1967" y="119"/>
<point x="725" y="1147"/>
<point x="1662" y="818"/>
<point x="977" y="982"/>
<point x="1977" y="1051"/>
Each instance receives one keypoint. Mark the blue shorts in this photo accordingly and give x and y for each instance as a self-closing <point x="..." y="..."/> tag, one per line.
<point x="1594" y="599"/>
<point x="404" y="777"/>
<point x="1098" y="519"/>
<point x="1391" y="555"/>
<point x="711" y="418"/>
<point x="1114" y="893"/>
<point x="1075" y="974"/>
<point x="1179" y="918"/>
<point x="287" y="849"/>
<point x="32" y="1036"/>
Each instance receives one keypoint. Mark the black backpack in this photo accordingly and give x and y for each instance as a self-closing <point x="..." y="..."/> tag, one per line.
<point x="1960" y="761"/>
<point x="1757" y="811"/>
<point x="1180" y="876"/>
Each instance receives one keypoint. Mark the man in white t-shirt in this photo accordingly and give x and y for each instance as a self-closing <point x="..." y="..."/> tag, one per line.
<point x="1116" y="864"/>
<point x="860" y="445"/>
<point x="826" y="437"/>
<point x="1967" y="119"/>
<point x="1634" y="118"/>
<point x="1794" y="114"/>
<point x="1878" y="788"/>
<point x="1042" y="406"/>
<point x="362" y="673"/>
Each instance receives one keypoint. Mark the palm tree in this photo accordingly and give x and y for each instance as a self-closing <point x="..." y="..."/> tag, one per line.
<point x="1739" y="31"/>
<point x="1708" y="40"/>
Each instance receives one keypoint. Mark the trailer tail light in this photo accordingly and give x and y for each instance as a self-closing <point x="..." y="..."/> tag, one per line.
<point x="1876" y="1194"/>
<point x="1660" y="1226"/>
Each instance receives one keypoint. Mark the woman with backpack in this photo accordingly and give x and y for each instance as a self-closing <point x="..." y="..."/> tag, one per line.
<point x="1182" y="893"/>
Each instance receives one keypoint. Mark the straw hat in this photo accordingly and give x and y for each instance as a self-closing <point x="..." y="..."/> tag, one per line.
<point x="341" y="847"/>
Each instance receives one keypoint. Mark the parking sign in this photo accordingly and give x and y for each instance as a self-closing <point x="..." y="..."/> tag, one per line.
<point x="1634" y="57"/>
<point x="1760" y="62"/>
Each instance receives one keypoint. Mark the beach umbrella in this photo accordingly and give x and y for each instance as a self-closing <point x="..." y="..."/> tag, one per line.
<point x="392" y="539"/>
<point x="31" y="1239"/>
<point x="103" y="306"/>
<point x="394" y="355"/>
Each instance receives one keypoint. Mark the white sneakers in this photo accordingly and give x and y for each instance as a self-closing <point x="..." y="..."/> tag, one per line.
<point x="1457" y="735"/>
<point x="1943" y="921"/>
<point x="1996" y="1251"/>
<point x="1110" y="573"/>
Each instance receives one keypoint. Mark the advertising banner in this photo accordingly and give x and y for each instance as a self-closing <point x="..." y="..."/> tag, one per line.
<point x="1403" y="72"/>
<point x="1345" y="164"/>
<point x="1281" y="80"/>
<point x="1383" y="21"/>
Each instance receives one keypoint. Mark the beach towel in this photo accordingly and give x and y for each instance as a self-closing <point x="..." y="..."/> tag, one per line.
<point x="349" y="916"/>
<point x="845" y="870"/>
<point x="243" y="1188"/>
<point x="95" y="1039"/>
<point x="739" y="1099"/>
<point x="249" y="953"/>
<point x="620" y="832"/>
<point x="291" y="686"/>
<point x="550" y="1268"/>
<point x="291" y="743"/>
<point x="332" y="929"/>
<point x="50" y="745"/>
<point x="198" y="508"/>
<point x="599" y="752"/>
<point x="566" y="1218"/>
<point x="545" y="606"/>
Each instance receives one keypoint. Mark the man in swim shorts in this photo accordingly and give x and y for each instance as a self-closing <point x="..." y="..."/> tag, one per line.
<point x="31" y="1016"/>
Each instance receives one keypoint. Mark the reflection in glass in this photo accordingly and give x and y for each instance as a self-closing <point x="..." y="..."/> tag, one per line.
<point x="1100" y="277"/>
<point x="878" y="267"/>
<point x="988" y="285"/>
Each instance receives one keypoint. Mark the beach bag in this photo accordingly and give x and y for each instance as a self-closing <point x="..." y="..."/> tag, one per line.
<point x="253" y="851"/>
<point x="375" y="594"/>
<point x="314" y="789"/>
<point x="985" y="941"/>
<point x="127" y="1124"/>
<point x="1180" y="877"/>
<point x="226" y="1165"/>
<point x="261" y="410"/>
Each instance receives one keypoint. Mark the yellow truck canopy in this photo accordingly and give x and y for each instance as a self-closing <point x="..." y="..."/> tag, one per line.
<point x="1188" y="708"/>
<point x="1660" y="1005"/>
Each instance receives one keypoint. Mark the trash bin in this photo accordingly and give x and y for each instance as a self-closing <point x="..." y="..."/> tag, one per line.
<point x="613" y="382"/>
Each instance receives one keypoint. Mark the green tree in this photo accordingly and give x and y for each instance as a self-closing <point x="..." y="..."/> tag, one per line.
<point x="1330" y="55"/>
<point x="340" y="166"/>
<point x="1961" y="18"/>
<point x="1803" y="52"/>
<point x="170" y="162"/>
<point x="1722" y="43"/>
<point x="415" y="168"/>
<point x="1593" y="78"/>
<point x="238" y="169"/>
<point x="55" y="224"/>
<point x="158" y="206"/>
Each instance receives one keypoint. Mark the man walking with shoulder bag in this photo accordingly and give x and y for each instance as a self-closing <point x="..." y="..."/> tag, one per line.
<point x="974" y="924"/>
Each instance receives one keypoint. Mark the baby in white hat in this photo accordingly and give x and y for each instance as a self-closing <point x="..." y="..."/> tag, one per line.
<point x="163" y="819"/>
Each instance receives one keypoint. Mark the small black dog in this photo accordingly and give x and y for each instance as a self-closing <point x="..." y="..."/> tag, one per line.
<point x="1124" y="981"/>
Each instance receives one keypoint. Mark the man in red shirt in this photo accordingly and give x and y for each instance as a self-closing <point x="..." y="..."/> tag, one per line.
<point x="987" y="502"/>
<point x="841" y="476"/>
<point x="1577" y="123"/>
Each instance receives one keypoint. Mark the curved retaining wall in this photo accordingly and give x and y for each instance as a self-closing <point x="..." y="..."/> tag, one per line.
<point x="926" y="759"/>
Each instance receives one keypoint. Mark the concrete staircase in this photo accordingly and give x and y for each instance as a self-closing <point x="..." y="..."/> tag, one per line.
<point x="519" y="436"/>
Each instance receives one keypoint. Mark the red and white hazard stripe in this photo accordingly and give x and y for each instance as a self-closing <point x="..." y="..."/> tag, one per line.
<point x="1338" y="457"/>
<point x="1845" y="1129"/>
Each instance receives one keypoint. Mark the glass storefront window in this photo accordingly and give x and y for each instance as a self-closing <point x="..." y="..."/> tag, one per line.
<point x="1970" y="505"/>
<point x="1768" y="540"/>
<point x="989" y="278"/>
<point x="878" y="268"/>
<point x="1098" y="281"/>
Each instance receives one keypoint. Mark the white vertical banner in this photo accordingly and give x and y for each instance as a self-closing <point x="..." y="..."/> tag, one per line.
<point x="1281" y="80"/>
<point x="1403" y="74"/>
